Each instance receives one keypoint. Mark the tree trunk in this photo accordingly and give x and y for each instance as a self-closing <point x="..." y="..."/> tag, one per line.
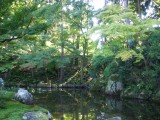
<point x="62" y="69"/>
<point x="125" y="3"/>
<point x="138" y="7"/>
<point x="62" y="45"/>
<point x="77" y="47"/>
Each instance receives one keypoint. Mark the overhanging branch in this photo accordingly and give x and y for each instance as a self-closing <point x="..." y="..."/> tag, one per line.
<point x="10" y="39"/>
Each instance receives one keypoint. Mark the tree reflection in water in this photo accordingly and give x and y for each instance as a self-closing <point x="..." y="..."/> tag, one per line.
<point x="76" y="104"/>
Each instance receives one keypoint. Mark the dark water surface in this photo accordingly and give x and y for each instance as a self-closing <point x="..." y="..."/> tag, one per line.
<point x="73" y="104"/>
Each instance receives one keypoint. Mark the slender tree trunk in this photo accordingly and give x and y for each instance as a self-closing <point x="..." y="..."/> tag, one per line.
<point x="32" y="73"/>
<point x="62" y="44"/>
<point x="103" y="39"/>
<point x="84" y="60"/>
<point x="105" y="2"/>
<point x="125" y="3"/>
<point x="77" y="47"/>
<point x="82" y="66"/>
<point x="138" y="7"/>
<point x="62" y="69"/>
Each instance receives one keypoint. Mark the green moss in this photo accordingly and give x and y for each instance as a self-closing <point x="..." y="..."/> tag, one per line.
<point x="7" y="95"/>
<point x="13" y="110"/>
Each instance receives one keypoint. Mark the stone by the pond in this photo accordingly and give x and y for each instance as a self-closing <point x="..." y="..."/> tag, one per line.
<point x="114" y="87"/>
<point x="115" y="118"/>
<point x="114" y="104"/>
<point x="37" y="116"/>
<point x="1" y="83"/>
<point x="24" y="96"/>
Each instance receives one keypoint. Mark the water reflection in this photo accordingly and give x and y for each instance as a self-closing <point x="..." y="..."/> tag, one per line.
<point x="84" y="105"/>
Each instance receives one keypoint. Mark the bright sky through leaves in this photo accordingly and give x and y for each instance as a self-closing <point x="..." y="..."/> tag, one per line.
<point x="97" y="4"/>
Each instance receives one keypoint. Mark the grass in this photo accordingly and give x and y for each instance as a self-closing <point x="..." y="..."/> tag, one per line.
<point x="6" y="95"/>
<point x="13" y="110"/>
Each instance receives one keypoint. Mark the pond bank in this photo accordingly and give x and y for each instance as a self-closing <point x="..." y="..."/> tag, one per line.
<point x="13" y="110"/>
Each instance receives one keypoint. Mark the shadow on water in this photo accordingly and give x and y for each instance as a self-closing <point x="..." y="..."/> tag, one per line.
<point x="76" y="104"/>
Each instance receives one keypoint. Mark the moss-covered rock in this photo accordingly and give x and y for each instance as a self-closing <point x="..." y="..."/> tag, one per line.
<point x="114" y="87"/>
<point x="13" y="110"/>
<point x="24" y="96"/>
<point x="114" y="77"/>
<point x="35" y="116"/>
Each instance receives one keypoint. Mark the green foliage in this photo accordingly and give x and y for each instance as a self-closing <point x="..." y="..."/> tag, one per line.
<point x="111" y="68"/>
<point x="114" y="24"/>
<point x="126" y="55"/>
<point x="23" y="20"/>
<point x="38" y="59"/>
<point x="99" y="63"/>
<point x="134" y="46"/>
<point x="38" y="39"/>
<point x="98" y="84"/>
<point x="32" y="34"/>
<point x="153" y="45"/>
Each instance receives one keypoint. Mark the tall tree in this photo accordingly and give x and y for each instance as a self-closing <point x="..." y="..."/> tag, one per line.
<point x="62" y="43"/>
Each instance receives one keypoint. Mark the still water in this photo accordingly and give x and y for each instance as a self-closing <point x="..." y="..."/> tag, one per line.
<point x="75" y="104"/>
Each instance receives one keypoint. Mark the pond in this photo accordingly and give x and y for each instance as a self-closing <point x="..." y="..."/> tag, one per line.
<point x="77" y="104"/>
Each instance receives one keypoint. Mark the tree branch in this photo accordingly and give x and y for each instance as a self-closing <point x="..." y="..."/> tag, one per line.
<point x="10" y="39"/>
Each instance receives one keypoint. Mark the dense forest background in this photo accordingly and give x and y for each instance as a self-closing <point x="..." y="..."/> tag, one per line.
<point x="52" y="41"/>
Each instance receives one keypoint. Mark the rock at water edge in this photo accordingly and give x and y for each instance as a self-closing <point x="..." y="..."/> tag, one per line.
<point x="24" y="96"/>
<point x="36" y="116"/>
